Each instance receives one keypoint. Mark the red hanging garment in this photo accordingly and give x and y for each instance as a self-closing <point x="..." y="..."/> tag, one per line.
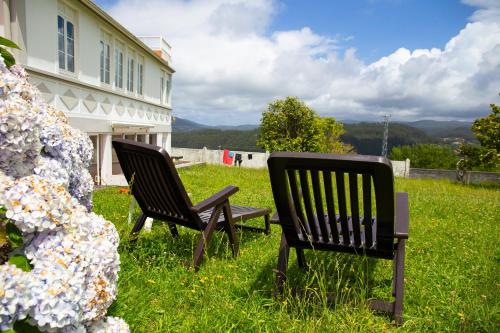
<point x="226" y="158"/>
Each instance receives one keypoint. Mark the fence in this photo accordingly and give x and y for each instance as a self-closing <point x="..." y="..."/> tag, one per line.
<point x="473" y="177"/>
<point x="258" y="160"/>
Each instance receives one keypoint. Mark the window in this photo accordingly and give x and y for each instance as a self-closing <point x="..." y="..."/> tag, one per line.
<point x="169" y="88"/>
<point x="162" y="88"/>
<point x="165" y="87"/>
<point x="66" y="44"/>
<point x="140" y="75"/>
<point x="105" y="58"/>
<point x="130" y="73"/>
<point x="118" y="68"/>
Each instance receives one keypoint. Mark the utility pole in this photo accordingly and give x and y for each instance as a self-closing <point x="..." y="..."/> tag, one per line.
<point x="387" y="117"/>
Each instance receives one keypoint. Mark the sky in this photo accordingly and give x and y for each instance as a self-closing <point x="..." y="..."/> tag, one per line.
<point x="352" y="60"/>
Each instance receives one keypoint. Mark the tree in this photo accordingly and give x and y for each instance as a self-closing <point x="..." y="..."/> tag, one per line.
<point x="290" y="125"/>
<point x="487" y="131"/>
<point x="429" y="156"/>
<point x="331" y="131"/>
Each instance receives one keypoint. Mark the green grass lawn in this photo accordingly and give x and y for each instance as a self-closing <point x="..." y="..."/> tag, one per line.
<point x="451" y="280"/>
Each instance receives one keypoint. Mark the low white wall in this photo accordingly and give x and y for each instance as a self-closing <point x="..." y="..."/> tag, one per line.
<point x="401" y="168"/>
<point x="259" y="160"/>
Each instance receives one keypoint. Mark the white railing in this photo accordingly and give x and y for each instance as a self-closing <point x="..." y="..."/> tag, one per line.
<point x="158" y="43"/>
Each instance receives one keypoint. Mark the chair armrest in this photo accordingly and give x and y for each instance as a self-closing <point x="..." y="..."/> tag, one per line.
<point x="275" y="219"/>
<point x="402" y="215"/>
<point x="215" y="199"/>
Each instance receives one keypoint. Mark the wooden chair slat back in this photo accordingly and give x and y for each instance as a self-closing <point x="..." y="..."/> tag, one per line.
<point x="367" y="209"/>
<point x="293" y="198"/>
<point x="154" y="181"/>
<point x="330" y="205"/>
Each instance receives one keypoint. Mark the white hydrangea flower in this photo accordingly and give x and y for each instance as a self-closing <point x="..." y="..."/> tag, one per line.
<point x="46" y="190"/>
<point x="15" y="295"/>
<point x="109" y="325"/>
<point x="35" y="204"/>
<point x="52" y="169"/>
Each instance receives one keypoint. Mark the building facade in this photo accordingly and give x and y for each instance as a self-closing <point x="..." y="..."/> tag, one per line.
<point x="109" y="82"/>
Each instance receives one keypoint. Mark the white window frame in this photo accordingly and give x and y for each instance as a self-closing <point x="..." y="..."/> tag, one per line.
<point x="140" y="76"/>
<point x="165" y="87"/>
<point x="105" y="57"/>
<point x="169" y="89"/>
<point x="119" y="70"/>
<point x="130" y="71"/>
<point x="68" y="14"/>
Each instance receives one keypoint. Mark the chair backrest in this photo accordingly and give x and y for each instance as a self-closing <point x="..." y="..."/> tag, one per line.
<point x="305" y="186"/>
<point x="155" y="183"/>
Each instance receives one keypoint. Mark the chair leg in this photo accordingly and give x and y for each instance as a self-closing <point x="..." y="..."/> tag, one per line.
<point x="267" y="224"/>
<point x="301" y="258"/>
<point x="173" y="230"/>
<point x="230" y="229"/>
<point x="399" y="281"/>
<point x="206" y="235"/>
<point x="137" y="227"/>
<point x="282" y="264"/>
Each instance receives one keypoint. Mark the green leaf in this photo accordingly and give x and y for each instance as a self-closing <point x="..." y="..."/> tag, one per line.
<point x="8" y="43"/>
<point x="14" y="235"/>
<point x="7" y="57"/>
<point x="21" y="262"/>
<point x="22" y="326"/>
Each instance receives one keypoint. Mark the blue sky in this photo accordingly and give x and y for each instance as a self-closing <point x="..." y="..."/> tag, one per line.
<point x="357" y="59"/>
<point x="374" y="27"/>
<point x="377" y="27"/>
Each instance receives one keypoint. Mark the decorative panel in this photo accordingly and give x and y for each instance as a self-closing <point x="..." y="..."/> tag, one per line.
<point x="69" y="99"/>
<point x="90" y="103"/>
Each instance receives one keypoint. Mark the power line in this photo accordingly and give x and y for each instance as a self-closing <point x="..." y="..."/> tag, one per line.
<point x="387" y="117"/>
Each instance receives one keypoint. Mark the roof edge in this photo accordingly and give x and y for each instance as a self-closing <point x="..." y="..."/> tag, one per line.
<point x="101" y="13"/>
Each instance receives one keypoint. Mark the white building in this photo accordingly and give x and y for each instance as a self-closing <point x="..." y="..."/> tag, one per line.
<point x="109" y="82"/>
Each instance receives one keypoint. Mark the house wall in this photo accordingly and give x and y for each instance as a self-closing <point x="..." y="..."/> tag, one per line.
<point x="42" y="48"/>
<point x="97" y="108"/>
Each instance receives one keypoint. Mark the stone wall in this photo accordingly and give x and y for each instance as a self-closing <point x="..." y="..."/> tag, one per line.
<point x="471" y="176"/>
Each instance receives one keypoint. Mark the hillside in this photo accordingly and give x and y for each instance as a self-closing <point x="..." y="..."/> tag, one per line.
<point x="215" y="139"/>
<point x="364" y="136"/>
<point x="367" y="137"/>
<point x="444" y="129"/>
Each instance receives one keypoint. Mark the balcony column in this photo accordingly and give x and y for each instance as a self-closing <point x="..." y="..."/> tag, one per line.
<point x="106" y="157"/>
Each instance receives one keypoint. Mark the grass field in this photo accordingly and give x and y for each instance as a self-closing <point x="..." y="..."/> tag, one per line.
<point x="451" y="280"/>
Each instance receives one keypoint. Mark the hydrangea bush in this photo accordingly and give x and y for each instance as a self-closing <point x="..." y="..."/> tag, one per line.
<point x="59" y="264"/>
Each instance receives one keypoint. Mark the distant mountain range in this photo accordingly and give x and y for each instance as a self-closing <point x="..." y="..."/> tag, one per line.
<point x="184" y="125"/>
<point x="366" y="137"/>
<point x="444" y="129"/>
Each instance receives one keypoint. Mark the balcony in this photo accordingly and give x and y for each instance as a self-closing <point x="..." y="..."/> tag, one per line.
<point x="159" y="45"/>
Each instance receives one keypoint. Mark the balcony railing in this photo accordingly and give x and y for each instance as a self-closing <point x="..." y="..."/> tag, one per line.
<point x="159" y="45"/>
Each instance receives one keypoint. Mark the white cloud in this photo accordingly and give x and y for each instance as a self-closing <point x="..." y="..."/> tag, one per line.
<point x="228" y="68"/>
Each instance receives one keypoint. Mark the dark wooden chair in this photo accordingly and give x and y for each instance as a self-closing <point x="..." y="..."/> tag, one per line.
<point x="312" y="203"/>
<point x="161" y="195"/>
